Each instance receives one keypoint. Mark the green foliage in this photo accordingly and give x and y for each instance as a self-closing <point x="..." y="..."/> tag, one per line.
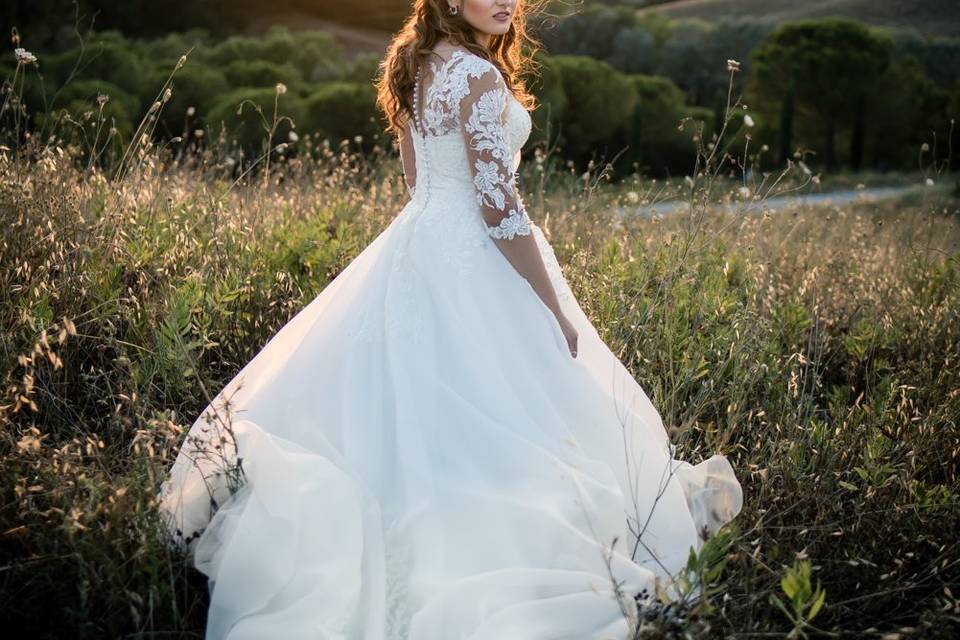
<point x="342" y="110"/>
<point x="194" y="86"/>
<point x="109" y="57"/>
<point x="319" y="58"/>
<point x="547" y="87"/>
<point x="701" y="577"/>
<point x="261" y="73"/>
<point x="829" y="66"/>
<point x="904" y="107"/>
<point x="654" y="135"/>
<point x="805" y="600"/>
<point x="599" y="104"/>
<point x="79" y="118"/>
<point x="248" y="115"/>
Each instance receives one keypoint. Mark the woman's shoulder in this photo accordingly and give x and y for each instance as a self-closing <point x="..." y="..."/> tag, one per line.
<point x="466" y="61"/>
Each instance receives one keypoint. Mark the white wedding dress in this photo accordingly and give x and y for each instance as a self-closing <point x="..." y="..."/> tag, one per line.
<point x="422" y="458"/>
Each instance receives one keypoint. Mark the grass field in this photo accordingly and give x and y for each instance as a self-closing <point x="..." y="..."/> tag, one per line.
<point x="817" y="348"/>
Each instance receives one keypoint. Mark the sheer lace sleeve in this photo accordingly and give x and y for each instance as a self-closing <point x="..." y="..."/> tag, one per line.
<point x="408" y="159"/>
<point x="482" y="114"/>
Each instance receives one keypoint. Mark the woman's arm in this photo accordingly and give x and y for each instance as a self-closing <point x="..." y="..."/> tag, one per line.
<point x="408" y="159"/>
<point x="482" y="113"/>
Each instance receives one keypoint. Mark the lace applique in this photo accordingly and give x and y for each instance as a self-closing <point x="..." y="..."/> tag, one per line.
<point x="487" y="148"/>
<point x="449" y="86"/>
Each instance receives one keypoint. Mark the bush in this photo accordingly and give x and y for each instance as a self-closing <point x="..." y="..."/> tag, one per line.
<point x="548" y="89"/>
<point x="109" y="57"/>
<point x="237" y="112"/>
<point x="340" y="110"/>
<point x="193" y="86"/>
<point x="319" y="58"/>
<point x="79" y="100"/>
<point x="655" y="142"/>
<point x="600" y="102"/>
<point x="260" y="73"/>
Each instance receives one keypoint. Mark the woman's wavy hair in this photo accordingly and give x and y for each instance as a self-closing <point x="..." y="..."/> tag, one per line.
<point x="430" y="22"/>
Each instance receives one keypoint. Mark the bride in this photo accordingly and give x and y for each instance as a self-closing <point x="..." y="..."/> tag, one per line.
<point x="440" y="445"/>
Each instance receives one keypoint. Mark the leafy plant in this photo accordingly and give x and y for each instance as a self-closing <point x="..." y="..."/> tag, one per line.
<point x="805" y="600"/>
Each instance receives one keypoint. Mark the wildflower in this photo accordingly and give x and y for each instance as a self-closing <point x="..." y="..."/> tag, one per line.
<point x="633" y="197"/>
<point x="182" y="61"/>
<point x="191" y="111"/>
<point x="925" y="147"/>
<point x="929" y="182"/>
<point x="23" y="56"/>
<point x="358" y="139"/>
<point x="733" y="65"/>
<point x="102" y="99"/>
<point x="744" y="192"/>
<point x="764" y="147"/>
<point x="281" y="88"/>
<point x="167" y="94"/>
<point x="198" y="133"/>
<point x="292" y="136"/>
<point x="747" y="120"/>
<point x="805" y="168"/>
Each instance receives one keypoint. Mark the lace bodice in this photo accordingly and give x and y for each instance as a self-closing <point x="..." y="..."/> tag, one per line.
<point x="466" y="136"/>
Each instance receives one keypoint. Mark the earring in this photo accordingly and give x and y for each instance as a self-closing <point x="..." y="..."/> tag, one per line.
<point x="454" y="10"/>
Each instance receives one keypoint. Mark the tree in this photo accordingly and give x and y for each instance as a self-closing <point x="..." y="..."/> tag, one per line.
<point x="599" y="104"/>
<point x="829" y="67"/>
<point x="655" y="142"/>
<point x="907" y="108"/>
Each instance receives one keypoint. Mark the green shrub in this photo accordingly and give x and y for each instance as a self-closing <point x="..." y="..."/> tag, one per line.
<point x="261" y="73"/>
<point x="194" y="86"/>
<point x="78" y="118"/>
<point x="655" y="142"/>
<point x="109" y="57"/>
<point x="600" y="102"/>
<point x="340" y="110"/>
<point x="319" y="58"/>
<point x="237" y="112"/>
<point x="547" y="87"/>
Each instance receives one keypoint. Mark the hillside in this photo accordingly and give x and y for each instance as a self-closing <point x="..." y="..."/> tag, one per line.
<point x="932" y="17"/>
<point x="354" y="40"/>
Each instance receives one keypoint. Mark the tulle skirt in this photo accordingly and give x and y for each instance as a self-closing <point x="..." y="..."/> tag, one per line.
<point x="416" y="455"/>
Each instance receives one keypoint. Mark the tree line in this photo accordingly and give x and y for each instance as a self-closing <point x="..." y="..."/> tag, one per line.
<point x="833" y="86"/>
